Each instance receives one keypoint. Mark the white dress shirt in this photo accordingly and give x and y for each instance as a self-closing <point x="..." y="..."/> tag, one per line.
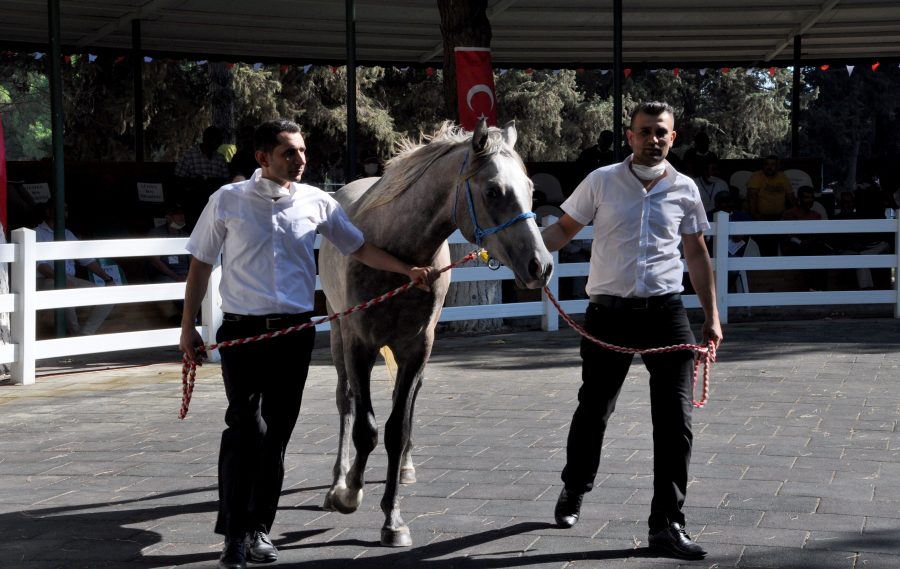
<point x="636" y="233"/>
<point x="44" y="234"/>
<point x="268" y="246"/>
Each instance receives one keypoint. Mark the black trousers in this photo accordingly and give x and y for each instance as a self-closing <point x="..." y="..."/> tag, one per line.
<point x="603" y="373"/>
<point x="264" y="383"/>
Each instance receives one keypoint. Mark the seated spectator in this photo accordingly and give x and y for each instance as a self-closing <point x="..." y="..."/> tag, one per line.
<point x="857" y="243"/>
<point x="46" y="277"/>
<point x="600" y="154"/>
<point x="806" y="244"/>
<point x="243" y="163"/>
<point x="698" y="156"/>
<point x="201" y="172"/>
<point x="737" y="244"/>
<point x="171" y="268"/>
<point x="709" y="183"/>
<point x="769" y="195"/>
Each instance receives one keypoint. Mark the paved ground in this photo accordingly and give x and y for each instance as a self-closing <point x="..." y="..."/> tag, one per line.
<point x="795" y="465"/>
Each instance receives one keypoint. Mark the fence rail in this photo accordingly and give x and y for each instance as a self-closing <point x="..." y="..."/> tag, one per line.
<point x="24" y="300"/>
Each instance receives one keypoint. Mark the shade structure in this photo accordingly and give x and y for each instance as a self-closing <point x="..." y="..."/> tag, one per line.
<point x="526" y="33"/>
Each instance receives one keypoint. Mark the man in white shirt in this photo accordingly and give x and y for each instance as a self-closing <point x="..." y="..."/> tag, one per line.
<point x="265" y="228"/>
<point x="641" y="209"/>
<point x="45" y="233"/>
<point x="709" y="183"/>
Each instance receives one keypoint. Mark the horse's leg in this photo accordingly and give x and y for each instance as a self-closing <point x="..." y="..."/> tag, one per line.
<point x="397" y="430"/>
<point x="358" y="360"/>
<point x="343" y="397"/>
<point x="407" y="468"/>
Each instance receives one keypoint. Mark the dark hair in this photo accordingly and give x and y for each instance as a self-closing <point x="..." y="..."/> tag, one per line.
<point x="806" y="190"/>
<point x="265" y="137"/>
<point x="652" y="108"/>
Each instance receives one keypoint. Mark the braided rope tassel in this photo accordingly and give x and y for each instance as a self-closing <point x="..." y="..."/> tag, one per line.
<point x="705" y="354"/>
<point x="189" y="367"/>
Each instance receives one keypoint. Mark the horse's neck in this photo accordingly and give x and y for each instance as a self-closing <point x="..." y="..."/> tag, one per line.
<point x="414" y="225"/>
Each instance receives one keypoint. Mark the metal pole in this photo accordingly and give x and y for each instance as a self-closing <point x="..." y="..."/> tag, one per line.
<point x="351" y="92"/>
<point x="795" y="100"/>
<point x="59" y="165"/>
<point x="617" y="79"/>
<point x="137" y="72"/>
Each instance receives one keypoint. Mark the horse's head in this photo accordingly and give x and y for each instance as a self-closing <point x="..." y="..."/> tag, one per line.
<point x="493" y="205"/>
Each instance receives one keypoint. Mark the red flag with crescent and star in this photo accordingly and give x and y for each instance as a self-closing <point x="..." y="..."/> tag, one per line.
<point x="475" y="94"/>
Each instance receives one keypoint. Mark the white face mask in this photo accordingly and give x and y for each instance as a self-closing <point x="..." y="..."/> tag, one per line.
<point x="272" y="190"/>
<point x="176" y="226"/>
<point x="648" y="173"/>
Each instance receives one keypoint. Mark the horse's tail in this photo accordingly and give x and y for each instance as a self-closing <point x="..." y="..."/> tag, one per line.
<point x="389" y="362"/>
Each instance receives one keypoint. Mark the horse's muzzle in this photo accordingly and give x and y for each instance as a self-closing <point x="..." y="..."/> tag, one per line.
<point x="539" y="273"/>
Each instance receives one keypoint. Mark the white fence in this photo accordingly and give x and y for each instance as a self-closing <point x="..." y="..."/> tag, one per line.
<point x="24" y="300"/>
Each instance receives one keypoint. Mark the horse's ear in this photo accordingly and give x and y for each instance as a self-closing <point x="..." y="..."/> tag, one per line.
<point x="480" y="136"/>
<point x="509" y="133"/>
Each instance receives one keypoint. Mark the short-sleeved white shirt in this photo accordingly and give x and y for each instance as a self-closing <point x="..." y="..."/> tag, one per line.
<point x="268" y="246"/>
<point x="636" y="233"/>
<point x="45" y="234"/>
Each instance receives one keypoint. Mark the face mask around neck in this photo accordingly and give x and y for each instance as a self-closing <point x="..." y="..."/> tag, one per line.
<point x="176" y="226"/>
<point x="272" y="190"/>
<point x="648" y="173"/>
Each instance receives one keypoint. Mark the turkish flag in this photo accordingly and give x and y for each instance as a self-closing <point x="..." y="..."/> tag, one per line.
<point x="475" y="96"/>
<point x="2" y="178"/>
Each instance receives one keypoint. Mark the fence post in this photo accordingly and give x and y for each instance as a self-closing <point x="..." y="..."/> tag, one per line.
<point x="897" y="263"/>
<point x="23" y="284"/>
<point x="212" y="309"/>
<point x="720" y="255"/>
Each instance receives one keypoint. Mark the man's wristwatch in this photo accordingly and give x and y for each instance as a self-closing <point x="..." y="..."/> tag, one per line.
<point x="108" y="279"/>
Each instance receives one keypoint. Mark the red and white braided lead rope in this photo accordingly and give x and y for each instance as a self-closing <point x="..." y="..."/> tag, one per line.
<point x="706" y="354"/>
<point x="189" y="367"/>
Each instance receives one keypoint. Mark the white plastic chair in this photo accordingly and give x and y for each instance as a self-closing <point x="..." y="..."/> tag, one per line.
<point x="550" y="186"/>
<point x="739" y="181"/>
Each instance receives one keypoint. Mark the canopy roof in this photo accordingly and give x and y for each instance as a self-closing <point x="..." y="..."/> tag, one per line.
<point x="526" y="33"/>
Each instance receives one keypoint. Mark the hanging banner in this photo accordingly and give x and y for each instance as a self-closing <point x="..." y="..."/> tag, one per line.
<point x="475" y="95"/>
<point x="2" y="177"/>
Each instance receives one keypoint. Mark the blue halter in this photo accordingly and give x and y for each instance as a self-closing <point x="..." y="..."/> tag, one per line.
<point x="480" y="233"/>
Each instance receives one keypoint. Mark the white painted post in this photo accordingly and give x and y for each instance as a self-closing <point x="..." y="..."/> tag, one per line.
<point x="23" y="320"/>
<point x="212" y="309"/>
<point x="897" y="263"/>
<point x="550" y="317"/>
<point x="720" y="255"/>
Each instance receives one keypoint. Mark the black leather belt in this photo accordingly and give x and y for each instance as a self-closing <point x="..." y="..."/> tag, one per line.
<point x="269" y="321"/>
<point x="609" y="301"/>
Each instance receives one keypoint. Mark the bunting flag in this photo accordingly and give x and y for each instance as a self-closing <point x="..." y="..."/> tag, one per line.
<point x="850" y="70"/>
<point x="627" y="72"/>
<point x="2" y="178"/>
<point x="676" y="71"/>
<point x="876" y="65"/>
<point x="824" y="67"/>
<point x="475" y="95"/>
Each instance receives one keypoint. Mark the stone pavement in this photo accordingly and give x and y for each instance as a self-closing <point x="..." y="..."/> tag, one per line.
<point x="795" y="465"/>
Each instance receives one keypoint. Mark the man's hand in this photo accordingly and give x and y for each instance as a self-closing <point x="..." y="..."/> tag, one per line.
<point x="712" y="332"/>
<point x="422" y="277"/>
<point x="192" y="344"/>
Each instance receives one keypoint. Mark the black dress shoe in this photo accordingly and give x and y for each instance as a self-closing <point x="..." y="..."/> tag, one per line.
<point x="568" y="508"/>
<point x="260" y="547"/>
<point x="675" y="541"/>
<point x="234" y="555"/>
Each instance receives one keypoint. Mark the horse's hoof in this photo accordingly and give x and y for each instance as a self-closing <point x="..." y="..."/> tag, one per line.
<point x="345" y="500"/>
<point x="328" y="505"/>
<point x="407" y="476"/>
<point x="396" y="537"/>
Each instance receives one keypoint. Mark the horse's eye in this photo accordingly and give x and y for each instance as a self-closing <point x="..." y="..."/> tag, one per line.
<point x="493" y="193"/>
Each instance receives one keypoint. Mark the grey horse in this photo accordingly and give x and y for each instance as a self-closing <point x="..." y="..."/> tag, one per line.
<point x="472" y="181"/>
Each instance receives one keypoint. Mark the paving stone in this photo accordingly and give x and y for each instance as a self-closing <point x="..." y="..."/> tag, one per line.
<point x="796" y="461"/>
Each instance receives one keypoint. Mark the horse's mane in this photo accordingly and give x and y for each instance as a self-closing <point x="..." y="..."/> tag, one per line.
<point x="413" y="158"/>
